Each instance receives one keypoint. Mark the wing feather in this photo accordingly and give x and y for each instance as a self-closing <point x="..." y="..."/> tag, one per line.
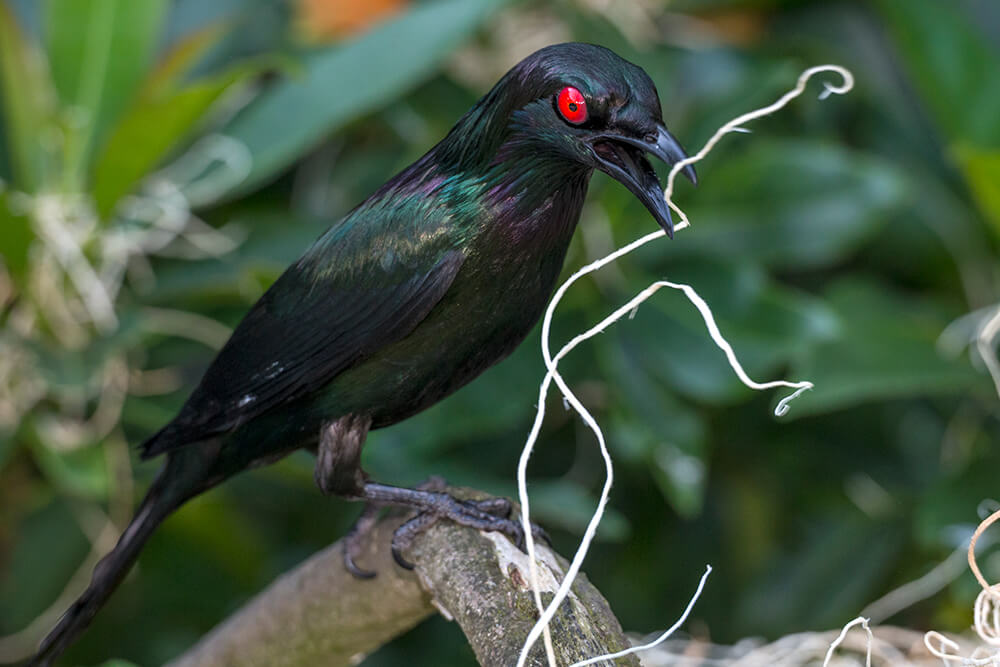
<point x="349" y="295"/>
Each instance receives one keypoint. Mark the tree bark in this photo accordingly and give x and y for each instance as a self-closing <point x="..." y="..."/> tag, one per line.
<point x="318" y="614"/>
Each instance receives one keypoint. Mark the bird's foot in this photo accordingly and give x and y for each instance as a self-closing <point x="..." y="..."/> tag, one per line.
<point x="355" y="538"/>
<point x="490" y="514"/>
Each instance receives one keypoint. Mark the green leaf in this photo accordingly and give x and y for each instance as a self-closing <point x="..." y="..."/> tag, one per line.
<point x="982" y="173"/>
<point x="884" y="348"/>
<point x="220" y="529"/>
<point x="790" y="204"/>
<point x="133" y="150"/>
<point x="568" y="505"/>
<point x="655" y="431"/>
<point x="346" y="81"/>
<point x="80" y="472"/>
<point x="16" y="234"/>
<point x="7" y="445"/>
<point x="765" y="324"/>
<point x="839" y="564"/>
<point x="954" y="68"/>
<point x="28" y="102"/>
<point x="47" y="547"/>
<point x="98" y="51"/>
<point x="178" y="62"/>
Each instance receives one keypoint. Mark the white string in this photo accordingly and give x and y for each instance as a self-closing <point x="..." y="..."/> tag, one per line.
<point x="546" y="613"/>
<point x="986" y="614"/>
<point x="663" y="637"/>
<point x="986" y="342"/>
<point x="863" y="622"/>
<point x="948" y="652"/>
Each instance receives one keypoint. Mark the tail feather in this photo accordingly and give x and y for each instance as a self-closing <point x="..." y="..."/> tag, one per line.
<point x="167" y="494"/>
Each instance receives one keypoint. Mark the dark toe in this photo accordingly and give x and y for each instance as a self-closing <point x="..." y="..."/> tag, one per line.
<point x="500" y="507"/>
<point x="404" y="535"/>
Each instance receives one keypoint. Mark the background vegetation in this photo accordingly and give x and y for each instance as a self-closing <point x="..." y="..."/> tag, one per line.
<point x="846" y="243"/>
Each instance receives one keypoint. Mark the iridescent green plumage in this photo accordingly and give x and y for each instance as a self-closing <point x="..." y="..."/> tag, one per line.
<point x="437" y="276"/>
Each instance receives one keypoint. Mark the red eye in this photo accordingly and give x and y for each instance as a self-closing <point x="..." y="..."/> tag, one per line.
<point x="571" y="105"/>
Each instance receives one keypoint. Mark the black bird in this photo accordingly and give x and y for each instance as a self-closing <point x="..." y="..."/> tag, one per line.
<point x="430" y="281"/>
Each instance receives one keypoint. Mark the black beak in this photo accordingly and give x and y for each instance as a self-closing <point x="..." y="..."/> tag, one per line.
<point x="624" y="158"/>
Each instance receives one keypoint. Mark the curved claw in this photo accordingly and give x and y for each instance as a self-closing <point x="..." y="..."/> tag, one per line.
<point x="354" y="569"/>
<point x="352" y="541"/>
<point x="398" y="557"/>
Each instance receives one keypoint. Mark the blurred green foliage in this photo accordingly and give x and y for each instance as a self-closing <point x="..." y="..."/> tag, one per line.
<point x="836" y="243"/>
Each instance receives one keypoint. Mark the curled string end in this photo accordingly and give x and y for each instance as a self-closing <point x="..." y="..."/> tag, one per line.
<point x="782" y="408"/>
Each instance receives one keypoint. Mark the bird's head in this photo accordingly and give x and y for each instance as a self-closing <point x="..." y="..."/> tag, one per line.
<point x="583" y="104"/>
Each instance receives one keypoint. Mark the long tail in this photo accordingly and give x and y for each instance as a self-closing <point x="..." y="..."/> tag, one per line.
<point x="168" y="492"/>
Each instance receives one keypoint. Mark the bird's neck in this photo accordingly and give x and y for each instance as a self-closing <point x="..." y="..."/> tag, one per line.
<point x="505" y="181"/>
<point x="535" y="198"/>
<point x="498" y="174"/>
<point x="513" y="172"/>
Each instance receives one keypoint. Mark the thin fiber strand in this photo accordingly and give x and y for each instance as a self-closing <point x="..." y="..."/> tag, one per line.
<point x="735" y="125"/>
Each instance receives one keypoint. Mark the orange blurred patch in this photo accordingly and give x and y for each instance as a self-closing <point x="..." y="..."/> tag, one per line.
<point x="740" y="28"/>
<point x="321" y="20"/>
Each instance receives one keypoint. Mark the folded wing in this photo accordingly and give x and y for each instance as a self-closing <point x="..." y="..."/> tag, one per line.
<point x="366" y="283"/>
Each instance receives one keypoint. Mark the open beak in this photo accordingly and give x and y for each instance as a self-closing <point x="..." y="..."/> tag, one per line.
<point x="624" y="159"/>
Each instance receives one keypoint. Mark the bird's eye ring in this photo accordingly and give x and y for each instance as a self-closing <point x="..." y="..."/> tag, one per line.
<point x="571" y="105"/>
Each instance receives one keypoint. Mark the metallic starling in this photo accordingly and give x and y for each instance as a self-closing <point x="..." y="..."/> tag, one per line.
<point x="434" y="278"/>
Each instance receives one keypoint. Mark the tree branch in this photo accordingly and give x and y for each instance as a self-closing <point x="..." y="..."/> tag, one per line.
<point x="318" y="614"/>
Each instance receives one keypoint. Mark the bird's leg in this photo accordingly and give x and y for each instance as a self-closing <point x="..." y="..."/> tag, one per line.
<point x="338" y="457"/>
<point x="338" y="472"/>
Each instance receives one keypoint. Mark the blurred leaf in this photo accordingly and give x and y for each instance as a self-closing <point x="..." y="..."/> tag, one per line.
<point x="219" y="529"/>
<point x="98" y="51"/>
<point x="133" y="150"/>
<point x="291" y="117"/>
<point x="27" y="98"/>
<point x="790" y="204"/>
<point x="565" y="504"/>
<point x="953" y="67"/>
<point x="839" y="565"/>
<point x="656" y="431"/>
<point x="7" y="444"/>
<point x="766" y="325"/>
<point x="178" y="62"/>
<point x="16" y="235"/>
<point x="79" y="472"/>
<point x="70" y="369"/>
<point x="884" y="348"/>
<point x="48" y="549"/>
<point x="681" y="478"/>
<point x="982" y="172"/>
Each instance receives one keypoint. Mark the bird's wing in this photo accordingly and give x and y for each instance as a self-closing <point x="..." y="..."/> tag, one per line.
<point x="366" y="283"/>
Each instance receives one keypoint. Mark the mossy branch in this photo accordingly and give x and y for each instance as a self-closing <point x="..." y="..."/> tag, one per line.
<point x="318" y="614"/>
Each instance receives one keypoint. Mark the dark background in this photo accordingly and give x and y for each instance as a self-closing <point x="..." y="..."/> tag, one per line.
<point x="836" y="243"/>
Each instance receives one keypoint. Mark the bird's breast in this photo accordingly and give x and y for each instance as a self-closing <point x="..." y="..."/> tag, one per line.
<point x="498" y="296"/>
